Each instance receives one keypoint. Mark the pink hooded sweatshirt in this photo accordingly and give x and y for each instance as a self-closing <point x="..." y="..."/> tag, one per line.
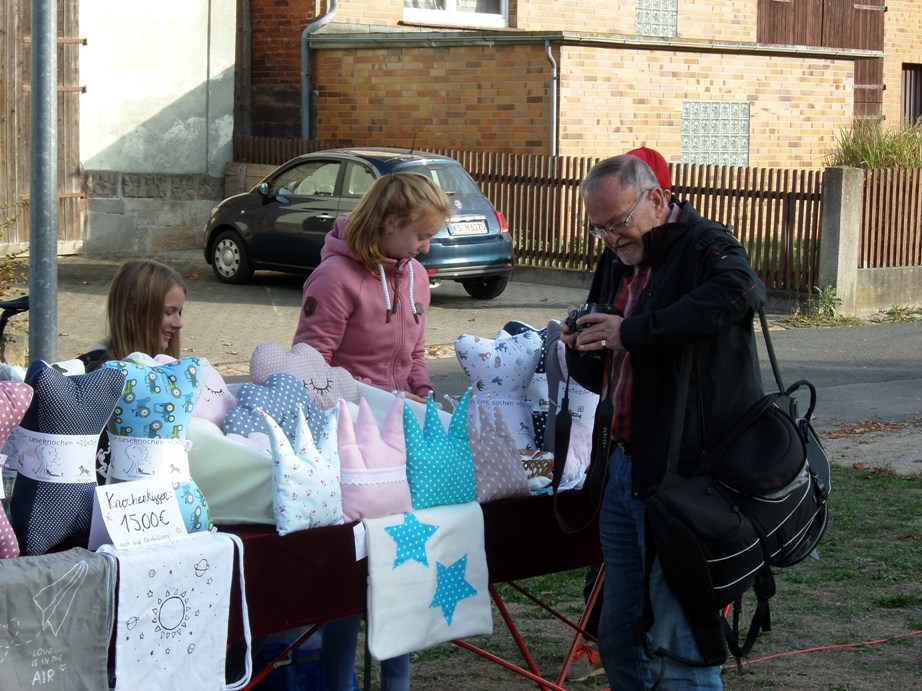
<point x="366" y="325"/>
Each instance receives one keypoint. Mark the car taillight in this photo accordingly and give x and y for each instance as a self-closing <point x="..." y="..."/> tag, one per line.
<point x="503" y="223"/>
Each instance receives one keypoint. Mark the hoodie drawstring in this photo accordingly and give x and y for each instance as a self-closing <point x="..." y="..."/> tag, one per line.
<point x="391" y="308"/>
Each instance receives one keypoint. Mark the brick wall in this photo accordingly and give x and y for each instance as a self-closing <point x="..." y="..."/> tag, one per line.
<point x="796" y="106"/>
<point x="478" y="96"/>
<point x="902" y="26"/>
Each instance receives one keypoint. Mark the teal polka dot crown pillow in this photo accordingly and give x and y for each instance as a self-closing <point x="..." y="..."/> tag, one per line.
<point x="440" y="464"/>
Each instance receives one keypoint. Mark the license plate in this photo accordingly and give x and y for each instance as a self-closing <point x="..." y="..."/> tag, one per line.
<point x="469" y="228"/>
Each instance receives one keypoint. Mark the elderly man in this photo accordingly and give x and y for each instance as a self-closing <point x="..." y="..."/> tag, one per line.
<point x="676" y="281"/>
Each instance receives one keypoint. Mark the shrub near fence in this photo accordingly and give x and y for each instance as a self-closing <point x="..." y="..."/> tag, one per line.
<point x="775" y="212"/>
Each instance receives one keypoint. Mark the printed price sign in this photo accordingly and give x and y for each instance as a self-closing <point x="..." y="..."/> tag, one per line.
<point x="136" y="514"/>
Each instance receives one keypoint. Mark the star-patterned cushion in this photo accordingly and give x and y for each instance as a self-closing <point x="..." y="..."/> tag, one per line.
<point x="536" y="394"/>
<point x="502" y="368"/>
<point x="280" y="398"/>
<point x="373" y="462"/>
<point x="440" y="465"/>
<point x="15" y="398"/>
<point x="148" y="429"/>
<point x="427" y="579"/>
<point x="71" y="410"/>
<point x="324" y="383"/>
<point x="305" y="478"/>
<point x="500" y="473"/>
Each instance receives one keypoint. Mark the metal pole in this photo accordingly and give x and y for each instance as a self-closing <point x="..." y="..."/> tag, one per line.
<point x="43" y="184"/>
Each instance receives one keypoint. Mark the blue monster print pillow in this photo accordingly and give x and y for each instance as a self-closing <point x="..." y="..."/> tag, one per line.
<point x="147" y="431"/>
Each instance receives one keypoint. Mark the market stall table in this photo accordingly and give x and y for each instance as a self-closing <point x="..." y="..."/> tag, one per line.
<point x="312" y="576"/>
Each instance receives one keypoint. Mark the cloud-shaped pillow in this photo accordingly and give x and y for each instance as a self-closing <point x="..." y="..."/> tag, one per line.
<point x="305" y="478"/>
<point x="499" y="470"/>
<point x="280" y="398"/>
<point x="326" y="384"/>
<point x="55" y="448"/>
<point x="15" y="398"/>
<point x="502" y="368"/>
<point x="440" y="464"/>
<point x="373" y="462"/>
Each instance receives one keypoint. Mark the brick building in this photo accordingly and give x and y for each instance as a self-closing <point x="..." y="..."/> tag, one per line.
<point x="766" y="83"/>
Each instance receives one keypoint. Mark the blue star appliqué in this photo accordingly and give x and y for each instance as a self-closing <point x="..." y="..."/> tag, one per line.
<point x="451" y="587"/>
<point x="411" y="539"/>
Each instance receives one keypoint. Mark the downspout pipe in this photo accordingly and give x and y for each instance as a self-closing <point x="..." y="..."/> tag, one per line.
<point x="306" y="69"/>
<point x="553" y="90"/>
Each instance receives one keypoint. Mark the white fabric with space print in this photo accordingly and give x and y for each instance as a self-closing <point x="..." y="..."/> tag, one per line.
<point x="173" y="606"/>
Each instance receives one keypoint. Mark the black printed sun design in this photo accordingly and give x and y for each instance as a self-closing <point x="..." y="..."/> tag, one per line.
<point x="171" y="614"/>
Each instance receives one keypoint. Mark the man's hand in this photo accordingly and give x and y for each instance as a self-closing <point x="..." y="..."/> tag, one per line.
<point x="597" y="332"/>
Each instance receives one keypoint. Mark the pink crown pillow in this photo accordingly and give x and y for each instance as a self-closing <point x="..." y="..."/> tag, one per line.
<point x="324" y="383"/>
<point x="373" y="462"/>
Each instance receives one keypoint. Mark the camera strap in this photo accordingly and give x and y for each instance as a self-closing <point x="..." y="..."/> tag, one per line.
<point x="597" y="472"/>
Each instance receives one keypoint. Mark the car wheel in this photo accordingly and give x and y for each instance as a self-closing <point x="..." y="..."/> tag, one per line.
<point x="229" y="259"/>
<point x="485" y="288"/>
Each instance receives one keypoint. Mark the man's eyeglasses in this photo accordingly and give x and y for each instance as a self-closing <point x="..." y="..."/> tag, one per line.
<point x="601" y="232"/>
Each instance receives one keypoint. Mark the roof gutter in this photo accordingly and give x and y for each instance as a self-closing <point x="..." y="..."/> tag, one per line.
<point x="305" y="67"/>
<point x="441" y="39"/>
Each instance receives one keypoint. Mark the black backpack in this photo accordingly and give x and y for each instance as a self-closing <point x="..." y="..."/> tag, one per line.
<point x="760" y="502"/>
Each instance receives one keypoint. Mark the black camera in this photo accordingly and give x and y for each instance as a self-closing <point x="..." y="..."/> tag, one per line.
<point x="583" y="310"/>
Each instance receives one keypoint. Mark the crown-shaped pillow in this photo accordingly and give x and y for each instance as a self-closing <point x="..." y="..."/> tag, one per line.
<point x="147" y="432"/>
<point x="305" y="478"/>
<point x="499" y="469"/>
<point x="536" y="393"/>
<point x="280" y="398"/>
<point x="15" y="398"/>
<point x="440" y="465"/>
<point x="55" y="449"/>
<point x="373" y="462"/>
<point x="325" y="384"/>
<point x="502" y="368"/>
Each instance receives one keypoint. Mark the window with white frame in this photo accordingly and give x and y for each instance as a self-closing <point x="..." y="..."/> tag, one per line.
<point x="656" y="17"/>
<point x="715" y="133"/>
<point x="482" y="13"/>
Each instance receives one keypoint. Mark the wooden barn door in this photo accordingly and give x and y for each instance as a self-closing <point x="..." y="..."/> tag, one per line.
<point x="15" y="127"/>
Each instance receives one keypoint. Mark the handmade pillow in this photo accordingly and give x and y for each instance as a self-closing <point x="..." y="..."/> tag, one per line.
<point x="440" y="465"/>
<point x="373" y="463"/>
<point x="280" y="398"/>
<point x="536" y="393"/>
<point x="582" y="410"/>
<point x="15" y="398"/>
<point x="502" y="368"/>
<point x="147" y="432"/>
<point x="325" y="384"/>
<point x="235" y="476"/>
<point x="215" y="400"/>
<point x="305" y="479"/>
<point x="55" y="451"/>
<point x="499" y="471"/>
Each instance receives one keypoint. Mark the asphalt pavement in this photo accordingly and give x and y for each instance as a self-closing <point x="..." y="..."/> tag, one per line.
<point x="872" y="371"/>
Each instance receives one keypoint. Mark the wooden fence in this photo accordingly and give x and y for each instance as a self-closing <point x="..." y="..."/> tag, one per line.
<point x="776" y="213"/>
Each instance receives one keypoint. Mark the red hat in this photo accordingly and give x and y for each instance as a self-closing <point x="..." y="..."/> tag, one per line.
<point x="657" y="163"/>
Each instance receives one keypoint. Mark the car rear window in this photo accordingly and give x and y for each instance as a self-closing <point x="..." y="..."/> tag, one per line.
<point x="452" y="178"/>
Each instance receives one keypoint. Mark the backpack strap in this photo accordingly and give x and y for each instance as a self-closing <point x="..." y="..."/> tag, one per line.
<point x="764" y="589"/>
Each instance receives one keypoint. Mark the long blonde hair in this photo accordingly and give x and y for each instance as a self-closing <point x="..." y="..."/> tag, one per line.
<point x="134" y="308"/>
<point x="409" y="197"/>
